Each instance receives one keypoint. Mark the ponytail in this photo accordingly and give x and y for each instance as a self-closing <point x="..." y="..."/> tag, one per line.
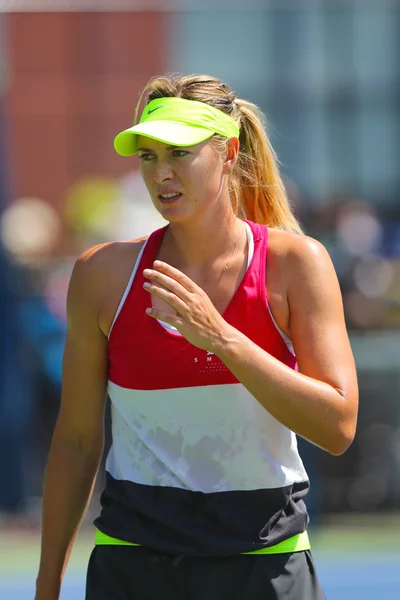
<point x="256" y="185"/>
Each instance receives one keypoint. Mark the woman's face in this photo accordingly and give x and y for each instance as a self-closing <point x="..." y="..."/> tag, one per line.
<point x="193" y="175"/>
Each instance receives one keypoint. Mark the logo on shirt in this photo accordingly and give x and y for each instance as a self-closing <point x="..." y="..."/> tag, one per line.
<point x="209" y="357"/>
<point x="206" y="364"/>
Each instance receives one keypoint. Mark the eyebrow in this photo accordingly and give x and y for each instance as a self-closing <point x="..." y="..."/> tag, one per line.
<point x="152" y="150"/>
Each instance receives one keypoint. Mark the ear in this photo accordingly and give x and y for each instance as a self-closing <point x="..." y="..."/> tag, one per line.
<point x="232" y="151"/>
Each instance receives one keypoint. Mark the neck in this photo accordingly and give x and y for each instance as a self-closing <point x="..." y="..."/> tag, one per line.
<point x="202" y="243"/>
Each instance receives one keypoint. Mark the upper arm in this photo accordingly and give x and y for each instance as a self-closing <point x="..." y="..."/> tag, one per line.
<point x="317" y="324"/>
<point x="84" y="379"/>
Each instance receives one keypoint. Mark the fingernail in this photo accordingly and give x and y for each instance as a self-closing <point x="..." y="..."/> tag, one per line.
<point x="146" y="284"/>
<point x="149" y="311"/>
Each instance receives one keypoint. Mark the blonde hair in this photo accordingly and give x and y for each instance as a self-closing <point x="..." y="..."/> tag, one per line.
<point x="256" y="187"/>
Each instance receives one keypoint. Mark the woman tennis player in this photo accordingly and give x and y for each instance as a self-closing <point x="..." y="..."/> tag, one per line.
<point x="218" y="338"/>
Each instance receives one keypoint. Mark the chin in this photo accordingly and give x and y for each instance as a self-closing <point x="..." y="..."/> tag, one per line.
<point x="175" y="214"/>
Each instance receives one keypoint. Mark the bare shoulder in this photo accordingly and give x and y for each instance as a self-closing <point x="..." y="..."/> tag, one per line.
<point x="293" y="257"/>
<point x="295" y="248"/>
<point x="102" y="265"/>
<point x="298" y="267"/>
<point x="309" y="280"/>
<point x="100" y="276"/>
<point x="103" y="257"/>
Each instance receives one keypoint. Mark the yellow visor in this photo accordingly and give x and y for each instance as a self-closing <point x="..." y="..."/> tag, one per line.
<point x="178" y="122"/>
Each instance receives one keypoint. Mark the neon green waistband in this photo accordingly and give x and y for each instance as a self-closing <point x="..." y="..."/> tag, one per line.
<point x="297" y="543"/>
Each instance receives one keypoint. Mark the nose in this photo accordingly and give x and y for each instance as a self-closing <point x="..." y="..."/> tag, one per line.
<point x="163" y="171"/>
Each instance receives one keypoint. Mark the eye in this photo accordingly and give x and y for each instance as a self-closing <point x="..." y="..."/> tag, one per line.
<point x="180" y="153"/>
<point x="146" y="156"/>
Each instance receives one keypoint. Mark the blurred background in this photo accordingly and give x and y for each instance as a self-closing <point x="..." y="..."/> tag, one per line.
<point x="326" y="73"/>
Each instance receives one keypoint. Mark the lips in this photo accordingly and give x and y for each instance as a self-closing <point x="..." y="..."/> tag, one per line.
<point x="169" y="197"/>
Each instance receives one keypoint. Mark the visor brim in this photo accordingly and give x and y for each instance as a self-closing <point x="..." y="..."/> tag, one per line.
<point x="168" y="132"/>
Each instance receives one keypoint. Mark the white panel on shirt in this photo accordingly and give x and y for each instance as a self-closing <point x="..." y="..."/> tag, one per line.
<point x="208" y="439"/>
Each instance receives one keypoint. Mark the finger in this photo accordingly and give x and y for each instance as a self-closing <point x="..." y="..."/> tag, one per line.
<point x="173" y="320"/>
<point x="169" y="297"/>
<point x="180" y="277"/>
<point x="167" y="282"/>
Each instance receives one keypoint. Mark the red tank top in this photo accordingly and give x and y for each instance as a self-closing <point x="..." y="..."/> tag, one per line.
<point x="143" y="354"/>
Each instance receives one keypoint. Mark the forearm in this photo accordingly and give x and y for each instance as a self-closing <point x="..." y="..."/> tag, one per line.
<point x="69" y="481"/>
<point x="311" y="408"/>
